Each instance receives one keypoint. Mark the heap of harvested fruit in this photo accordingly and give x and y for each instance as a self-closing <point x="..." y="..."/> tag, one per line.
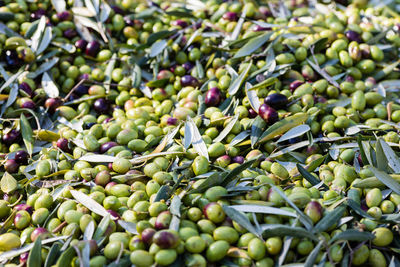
<point x="199" y="133"/>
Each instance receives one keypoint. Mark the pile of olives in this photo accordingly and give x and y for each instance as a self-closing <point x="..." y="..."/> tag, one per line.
<point x="199" y="133"/>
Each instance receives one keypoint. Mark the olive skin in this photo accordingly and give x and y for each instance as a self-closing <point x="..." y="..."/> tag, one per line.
<point x="217" y="250"/>
<point x="383" y="237"/>
<point x="276" y="101"/>
<point x="214" y="212"/>
<point x="141" y="258"/>
<point x="268" y="114"/>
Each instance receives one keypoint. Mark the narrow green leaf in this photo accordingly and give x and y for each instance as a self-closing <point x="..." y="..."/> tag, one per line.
<point x="200" y="69"/>
<point x="212" y="180"/>
<point x="271" y="230"/>
<point x="89" y="231"/>
<point x="91" y="204"/>
<point x="197" y="140"/>
<point x="27" y="133"/>
<point x="309" y="177"/>
<point x="381" y="160"/>
<point x="130" y="227"/>
<point x="227" y="129"/>
<point x="237" y="83"/>
<point x="35" y="255"/>
<point x="66" y="257"/>
<point x="157" y="83"/>
<point x="49" y="86"/>
<point x="352" y="235"/>
<point x="108" y="72"/>
<point x="294" y="132"/>
<point x="392" y="158"/>
<point x="386" y="179"/>
<point x="8" y="183"/>
<point x="329" y="219"/>
<point x="163" y="193"/>
<point x="159" y="35"/>
<point x="228" y="176"/>
<point x="264" y="210"/>
<point x="157" y="48"/>
<point x="256" y="130"/>
<point x="312" y="257"/>
<point x="52" y="255"/>
<point x="101" y="228"/>
<point x="241" y="219"/>
<point x="386" y="70"/>
<point x="357" y="208"/>
<point x="253" y="45"/>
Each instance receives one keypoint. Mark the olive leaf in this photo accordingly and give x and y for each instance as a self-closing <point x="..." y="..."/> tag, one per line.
<point x="89" y="231"/>
<point x="386" y="179"/>
<point x="45" y="41"/>
<point x="105" y="11"/>
<point x="263" y="209"/>
<point x="27" y="133"/>
<point x="237" y="83"/>
<point x="270" y="230"/>
<point x="239" y="138"/>
<point x="252" y="45"/>
<point x="294" y="132"/>
<point x="289" y="149"/>
<point x="10" y="80"/>
<point x="8" y="183"/>
<point x="381" y="160"/>
<point x="352" y="235"/>
<point x="37" y="36"/>
<point x="157" y="48"/>
<point x="65" y="258"/>
<point x="227" y="129"/>
<point x="196" y="140"/>
<point x="108" y="72"/>
<point x="101" y="228"/>
<point x="309" y="177"/>
<point x="43" y="67"/>
<point x="35" y="255"/>
<point x="159" y="35"/>
<point x="323" y="73"/>
<point x="312" y="257"/>
<point x="241" y="219"/>
<point x="130" y="227"/>
<point x="200" y="69"/>
<point x="210" y="181"/>
<point x="49" y="87"/>
<point x="136" y="76"/>
<point x="392" y="158"/>
<point x="256" y="130"/>
<point x="282" y="126"/>
<point x="163" y="193"/>
<point x="252" y="96"/>
<point x="59" y="5"/>
<point x="52" y="255"/>
<point x="91" y="204"/>
<point x="329" y="219"/>
<point x="97" y="158"/>
<point x="16" y="252"/>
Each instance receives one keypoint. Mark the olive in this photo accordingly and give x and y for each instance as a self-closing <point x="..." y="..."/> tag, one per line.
<point x="268" y="114"/>
<point x="101" y="106"/>
<point x="276" y="101"/>
<point x="189" y="80"/>
<point x="166" y="239"/>
<point x="11" y="166"/>
<point x="21" y="157"/>
<point x="92" y="48"/>
<point x="212" y="97"/>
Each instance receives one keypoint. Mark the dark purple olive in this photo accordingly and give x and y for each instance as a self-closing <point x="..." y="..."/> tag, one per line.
<point x="114" y="214"/>
<point x="117" y="9"/>
<point x="38" y="14"/>
<point x="40" y="231"/>
<point x="11" y="137"/>
<point x="101" y="106"/>
<point x="188" y="66"/>
<point x="62" y="144"/>
<point x="11" y="166"/>
<point x="28" y="104"/>
<point x="82" y="89"/>
<point x="92" y="48"/>
<point x="25" y="207"/>
<point x="21" y="157"/>
<point x="65" y="15"/>
<point x="26" y="88"/>
<point x="276" y="101"/>
<point x="147" y="235"/>
<point x="293" y="85"/>
<point x="252" y="113"/>
<point x="52" y="104"/>
<point x="23" y="258"/>
<point x="189" y="80"/>
<point x="172" y="121"/>
<point x="258" y="28"/>
<point x="231" y="16"/>
<point x="213" y="97"/>
<point x="180" y="23"/>
<point x="106" y="146"/>
<point x="238" y="159"/>
<point x="265" y="11"/>
<point x="81" y="44"/>
<point x="353" y="36"/>
<point x="268" y="114"/>
<point x="12" y="59"/>
<point x="166" y="239"/>
<point x="69" y="33"/>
